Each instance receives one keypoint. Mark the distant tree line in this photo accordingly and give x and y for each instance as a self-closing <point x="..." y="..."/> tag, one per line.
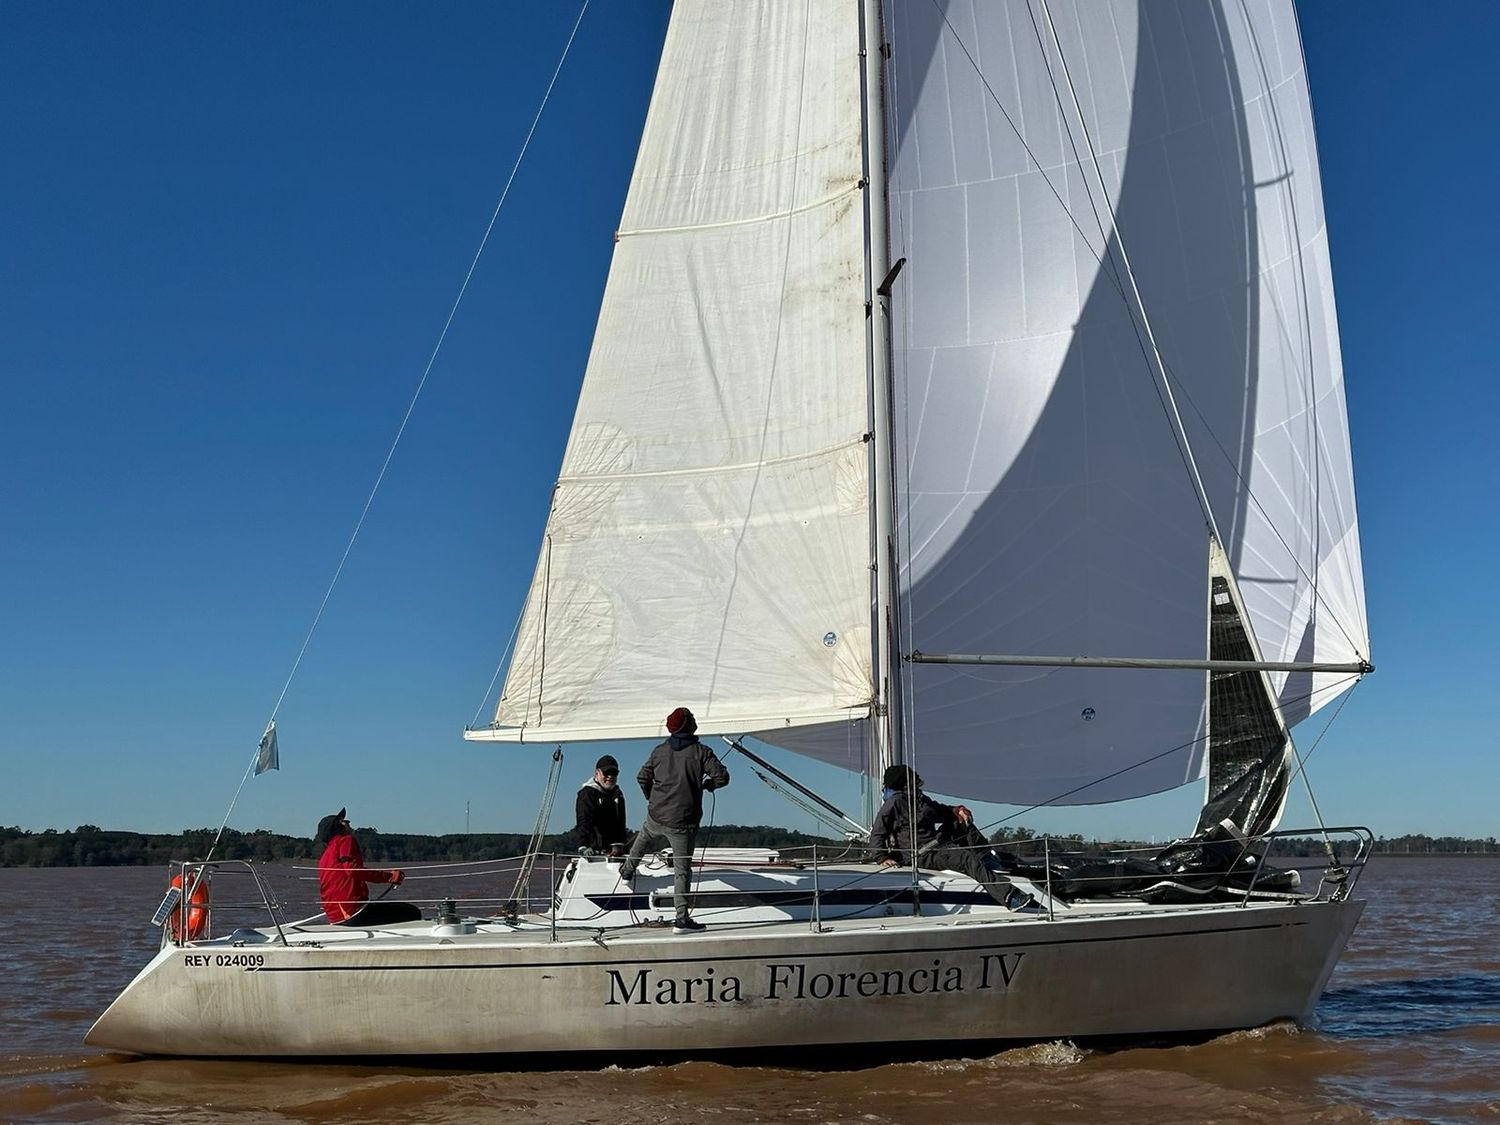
<point x="90" y="846"/>
<point x="1436" y="845"/>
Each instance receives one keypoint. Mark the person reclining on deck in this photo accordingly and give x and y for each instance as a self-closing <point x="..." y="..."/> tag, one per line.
<point x="941" y="830"/>
<point x="344" y="880"/>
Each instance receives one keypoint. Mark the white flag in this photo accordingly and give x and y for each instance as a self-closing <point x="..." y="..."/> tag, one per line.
<point x="270" y="754"/>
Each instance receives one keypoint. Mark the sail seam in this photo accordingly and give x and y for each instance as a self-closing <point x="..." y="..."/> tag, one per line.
<point x="713" y="470"/>
<point x="774" y="216"/>
<point x="1058" y="798"/>
<point x="1168" y="379"/>
<point x="1110" y="271"/>
<point x="1135" y="304"/>
<point x="778" y="333"/>
<point x="1318" y="452"/>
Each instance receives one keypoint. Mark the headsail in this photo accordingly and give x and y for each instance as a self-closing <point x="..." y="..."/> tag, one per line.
<point x="709" y="535"/>
<point x="1116" y="340"/>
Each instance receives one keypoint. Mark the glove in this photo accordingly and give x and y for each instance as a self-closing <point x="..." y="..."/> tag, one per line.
<point x="585" y="851"/>
<point x="709" y="785"/>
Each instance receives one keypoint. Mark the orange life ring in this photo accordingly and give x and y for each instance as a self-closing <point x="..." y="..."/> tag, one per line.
<point x="197" y="912"/>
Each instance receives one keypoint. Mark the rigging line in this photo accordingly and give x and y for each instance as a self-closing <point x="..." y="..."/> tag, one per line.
<point x="887" y="724"/>
<point x="1107" y="262"/>
<point x="736" y="744"/>
<point x="806" y="806"/>
<point x="1108" y="269"/>
<point x="411" y="406"/>
<point x="1135" y="312"/>
<point x="1301" y="770"/>
<point x="1050" y="801"/>
<point x="695" y="875"/>
<point x="774" y="358"/>
<point x="1169" y="378"/>
<point x="1313" y="128"/>
<point x="1250" y="494"/>
<point x="900" y="467"/>
<point x="1179" y="431"/>
<point x="505" y="652"/>
<point x="539" y="829"/>
<point x="888" y="554"/>
<point x="437" y="347"/>
<point x="1278" y="133"/>
<point x="1317" y="451"/>
<point x="1260" y="507"/>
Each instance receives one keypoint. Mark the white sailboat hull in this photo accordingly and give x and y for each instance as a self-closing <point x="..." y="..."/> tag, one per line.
<point x="1110" y="970"/>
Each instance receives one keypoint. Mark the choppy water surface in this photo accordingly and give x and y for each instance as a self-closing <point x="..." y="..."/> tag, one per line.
<point x="1408" y="1031"/>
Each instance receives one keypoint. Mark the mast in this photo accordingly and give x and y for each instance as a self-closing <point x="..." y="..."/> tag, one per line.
<point x="886" y="717"/>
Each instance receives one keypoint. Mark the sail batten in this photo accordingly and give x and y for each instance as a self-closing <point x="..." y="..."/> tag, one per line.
<point x="750" y="220"/>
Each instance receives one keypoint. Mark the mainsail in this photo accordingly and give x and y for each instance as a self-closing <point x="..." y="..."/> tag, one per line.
<point x="1114" y="359"/>
<point x="708" y="540"/>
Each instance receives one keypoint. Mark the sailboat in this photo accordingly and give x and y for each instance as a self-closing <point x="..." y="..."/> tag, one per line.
<point x="966" y="395"/>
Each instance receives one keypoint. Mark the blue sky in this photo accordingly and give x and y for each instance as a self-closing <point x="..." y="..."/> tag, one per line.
<point x="229" y="238"/>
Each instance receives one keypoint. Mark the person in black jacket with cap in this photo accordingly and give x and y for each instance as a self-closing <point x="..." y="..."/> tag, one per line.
<point x="913" y="828"/>
<point x="674" y="779"/>
<point x="601" y="809"/>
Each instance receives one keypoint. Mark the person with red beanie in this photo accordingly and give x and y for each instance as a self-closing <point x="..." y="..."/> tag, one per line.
<point x="674" y="779"/>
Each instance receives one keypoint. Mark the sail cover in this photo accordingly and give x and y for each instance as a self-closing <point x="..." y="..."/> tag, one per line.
<point x="708" y="539"/>
<point x="1114" y="341"/>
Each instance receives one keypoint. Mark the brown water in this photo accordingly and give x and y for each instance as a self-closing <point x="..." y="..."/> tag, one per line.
<point x="1408" y="1031"/>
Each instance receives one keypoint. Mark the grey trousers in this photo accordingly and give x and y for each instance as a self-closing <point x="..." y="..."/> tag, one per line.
<point x="681" y="841"/>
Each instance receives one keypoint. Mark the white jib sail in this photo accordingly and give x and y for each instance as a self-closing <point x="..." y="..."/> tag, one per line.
<point x="1066" y="174"/>
<point x="708" y="542"/>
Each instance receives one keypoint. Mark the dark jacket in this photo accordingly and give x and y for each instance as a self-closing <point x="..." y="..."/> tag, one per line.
<point x="891" y="834"/>
<point x="601" y="816"/>
<point x="674" y="778"/>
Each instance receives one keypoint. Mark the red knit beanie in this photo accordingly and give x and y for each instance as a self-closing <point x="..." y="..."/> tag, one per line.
<point x="681" y="721"/>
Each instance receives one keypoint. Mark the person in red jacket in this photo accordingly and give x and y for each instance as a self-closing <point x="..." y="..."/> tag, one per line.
<point x="344" y="880"/>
